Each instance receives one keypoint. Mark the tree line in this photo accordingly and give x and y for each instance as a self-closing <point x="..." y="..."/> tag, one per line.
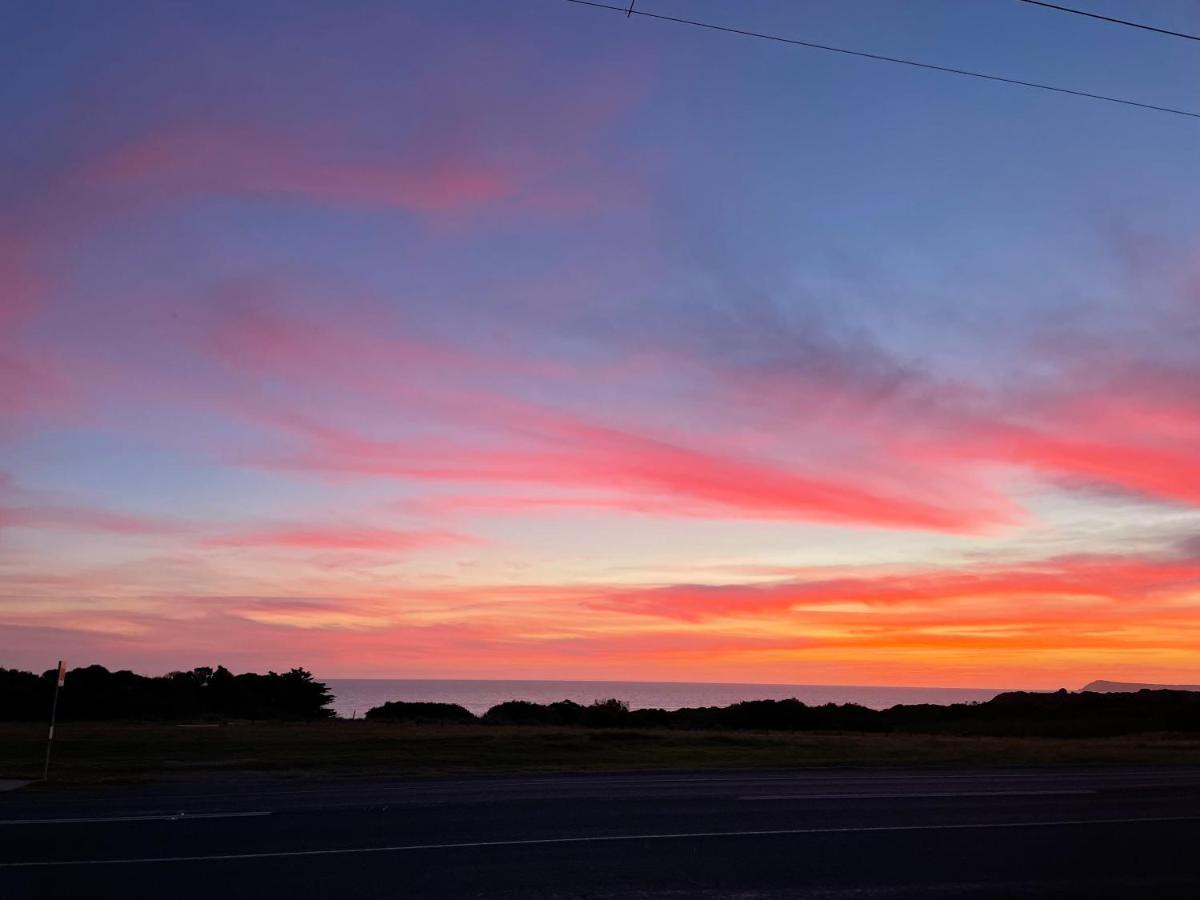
<point x="94" y="693"/>
<point x="1015" y="714"/>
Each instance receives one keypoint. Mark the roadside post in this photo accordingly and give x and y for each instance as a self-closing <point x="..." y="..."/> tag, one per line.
<point x="58" y="683"/>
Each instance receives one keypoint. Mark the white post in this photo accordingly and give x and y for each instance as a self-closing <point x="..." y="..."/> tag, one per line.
<point x="58" y="683"/>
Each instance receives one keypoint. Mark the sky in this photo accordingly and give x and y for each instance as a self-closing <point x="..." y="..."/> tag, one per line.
<point x="519" y="339"/>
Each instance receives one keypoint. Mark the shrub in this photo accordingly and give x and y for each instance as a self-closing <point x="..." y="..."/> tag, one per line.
<point x="422" y="713"/>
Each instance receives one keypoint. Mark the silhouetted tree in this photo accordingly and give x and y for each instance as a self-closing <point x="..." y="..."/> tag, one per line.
<point x="93" y="692"/>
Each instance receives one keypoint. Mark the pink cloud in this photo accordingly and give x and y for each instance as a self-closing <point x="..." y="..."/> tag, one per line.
<point x="1112" y="423"/>
<point x="477" y="152"/>
<point x="503" y="504"/>
<point x="74" y="518"/>
<point x="202" y="160"/>
<point x="1010" y="592"/>
<point x="33" y="379"/>
<point x="602" y="458"/>
<point x="338" y="538"/>
<point x="903" y="641"/>
<point x="21" y="507"/>
<point x="20" y="287"/>
<point x="503" y="439"/>
<point x="919" y="456"/>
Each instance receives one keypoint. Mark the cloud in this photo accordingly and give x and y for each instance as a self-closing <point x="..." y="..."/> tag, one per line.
<point x="198" y="161"/>
<point x="563" y="452"/>
<point x="800" y="443"/>
<point x="479" y="149"/>
<point x="995" y="624"/>
<point x="506" y="504"/>
<point x="74" y="518"/>
<point x="1023" y="592"/>
<point x="501" y="438"/>
<point x="333" y="393"/>
<point x="319" y="538"/>
<point x="21" y="288"/>
<point x="1104" y="421"/>
<point x="34" y="379"/>
<point x="36" y="510"/>
<point x="902" y="452"/>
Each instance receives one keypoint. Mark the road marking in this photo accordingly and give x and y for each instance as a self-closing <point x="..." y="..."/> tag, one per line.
<point x="603" y="838"/>
<point x="161" y="817"/>
<point x="895" y="796"/>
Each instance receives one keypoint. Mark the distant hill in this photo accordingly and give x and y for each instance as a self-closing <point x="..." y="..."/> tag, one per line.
<point x="1123" y="687"/>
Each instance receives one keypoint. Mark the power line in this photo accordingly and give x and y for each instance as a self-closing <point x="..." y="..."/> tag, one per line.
<point x="862" y="54"/>
<point x="1092" y="15"/>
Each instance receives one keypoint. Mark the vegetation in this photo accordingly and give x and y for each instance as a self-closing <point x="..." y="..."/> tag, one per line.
<point x="121" y="726"/>
<point x="421" y="713"/>
<point x="92" y="753"/>
<point x="601" y="714"/>
<point x="1018" y="714"/>
<point x="204" y="694"/>
<point x="96" y="694"/>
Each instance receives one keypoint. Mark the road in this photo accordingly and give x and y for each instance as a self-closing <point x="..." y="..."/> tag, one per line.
<point x="822" y="834"/>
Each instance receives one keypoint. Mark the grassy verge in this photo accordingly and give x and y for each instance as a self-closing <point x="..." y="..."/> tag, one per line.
<point x="96" y="753"/>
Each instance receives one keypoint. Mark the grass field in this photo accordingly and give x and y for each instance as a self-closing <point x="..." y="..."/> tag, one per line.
<point x="92" y="753"/>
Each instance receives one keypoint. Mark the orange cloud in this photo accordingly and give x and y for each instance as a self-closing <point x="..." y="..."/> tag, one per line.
<point x="1012" y="592"/>
<point x="1037" y="623"/>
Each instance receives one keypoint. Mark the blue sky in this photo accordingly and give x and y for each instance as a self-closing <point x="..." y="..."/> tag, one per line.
<point x="523" y="339"/>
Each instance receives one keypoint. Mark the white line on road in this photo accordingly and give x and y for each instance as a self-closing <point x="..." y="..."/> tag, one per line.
<point x="601" y="838"/>
<point x="895" y="796"/>
<point x="161" y="817"/>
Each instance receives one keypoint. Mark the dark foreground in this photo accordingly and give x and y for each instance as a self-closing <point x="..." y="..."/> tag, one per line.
<point x="846" y="833"/>
<point x="89" y="754"/>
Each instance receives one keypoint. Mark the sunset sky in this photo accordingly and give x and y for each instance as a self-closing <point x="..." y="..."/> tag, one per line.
<point x="518" y="339"/>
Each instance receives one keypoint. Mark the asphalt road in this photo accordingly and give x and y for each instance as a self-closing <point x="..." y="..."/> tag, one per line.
<point x="826" y="834"/>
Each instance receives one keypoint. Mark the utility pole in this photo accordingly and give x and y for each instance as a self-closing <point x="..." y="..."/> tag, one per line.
<point x="58" y="683"/>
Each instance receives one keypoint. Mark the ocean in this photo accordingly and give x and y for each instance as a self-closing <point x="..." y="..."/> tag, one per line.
<point x="354" y="696"/>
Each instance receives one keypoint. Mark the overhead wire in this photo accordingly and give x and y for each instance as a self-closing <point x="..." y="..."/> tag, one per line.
<point x="879" y="57"/>
<point x="1126" y="22"/>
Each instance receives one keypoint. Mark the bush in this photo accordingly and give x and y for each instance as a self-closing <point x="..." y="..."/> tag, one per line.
<point x="422" y="713"/>
<point x="1059" y="714"/>
<point x="599" y="714"/>
<point x="609" y="713"/>
<point x="522" y="712"/>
